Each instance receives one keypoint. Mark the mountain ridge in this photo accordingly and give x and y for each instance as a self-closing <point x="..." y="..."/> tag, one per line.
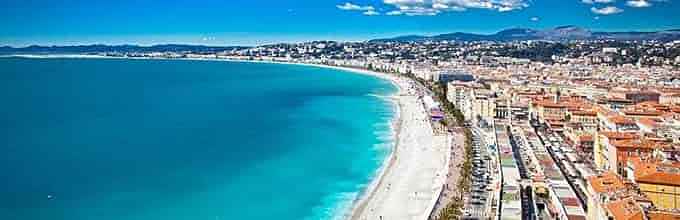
<point x="560" y="33"/>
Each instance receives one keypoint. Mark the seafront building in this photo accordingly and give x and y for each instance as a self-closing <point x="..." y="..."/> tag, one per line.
<point x="583" y="154"/>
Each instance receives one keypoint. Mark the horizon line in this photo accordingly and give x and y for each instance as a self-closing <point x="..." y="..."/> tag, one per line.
<point x="189" y="43"/>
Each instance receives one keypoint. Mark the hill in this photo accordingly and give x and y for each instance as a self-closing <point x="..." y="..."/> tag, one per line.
<point x="562" y="33"/>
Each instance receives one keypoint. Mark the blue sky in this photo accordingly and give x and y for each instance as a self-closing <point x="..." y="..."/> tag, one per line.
<point x="251" y="22"/>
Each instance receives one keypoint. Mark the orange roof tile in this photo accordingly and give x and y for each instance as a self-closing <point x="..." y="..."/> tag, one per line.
<point x="662" y="178"/>
<point x="649" y="172"/>
<point x="585" y="138"/>
<point x="606" y="182"/>
<point x="669" y="90"/>
<point x="675" y="109"/>
<point x="658" y="215"/>
<point x="642" y="93"/>
<point x="619" y="135"/>
<point x="647" y="103"/>
<point x="635" y="143"/>
<point x="643" y="112"/>
<point x="614" y="99"/>
<point x="554" y="123"/>
<point x="618" y="119"/>
<point x="626" y="209"/>
<point x="584" y="113"/>
<point x="549" y="104"/>
<point x="649" y="122"/>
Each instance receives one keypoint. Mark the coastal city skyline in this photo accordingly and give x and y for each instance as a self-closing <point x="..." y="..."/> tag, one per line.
<point x="347" y="110"/>
<point x="265" y="22"/>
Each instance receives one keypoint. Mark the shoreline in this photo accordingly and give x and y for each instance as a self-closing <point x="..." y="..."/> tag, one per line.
<point x="360" y="203"/>
<point x="358" y="208"/>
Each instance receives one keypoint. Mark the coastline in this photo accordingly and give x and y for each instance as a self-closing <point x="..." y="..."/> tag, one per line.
<point x="358" y="206"/>
<point x="402" y="157"/>
<point x="405" y="104"/>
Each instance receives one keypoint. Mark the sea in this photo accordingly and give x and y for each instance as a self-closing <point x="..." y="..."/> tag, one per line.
<point x="127" y="139"/>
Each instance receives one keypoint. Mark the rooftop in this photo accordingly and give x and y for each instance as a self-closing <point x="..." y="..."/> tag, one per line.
<point x="659" y="215"/>
<point x="618" y="119"/>
<point x="606" y="182"/>
<point x="619" y="135"/>
<point x="655" y="172"/>
<point x="626" y="209"/>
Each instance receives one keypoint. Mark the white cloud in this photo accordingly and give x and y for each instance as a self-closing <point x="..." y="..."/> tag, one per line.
<point x="440" y="6"/>
<point x="352" y="7"/>
<point x="434" y="7"/>
<point x="371" y="13"/>
<point x="418" y="11"/>
<point x="598" y="1"/>
<point x="606" y="10"/>
<point x="366" y="10"/>
<point x="638" y="3"/>
<point x="534" y="19"/>
<point x="394" y="13"/>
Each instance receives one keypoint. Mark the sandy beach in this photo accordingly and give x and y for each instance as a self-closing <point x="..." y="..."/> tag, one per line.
<point x="411" y="179"/>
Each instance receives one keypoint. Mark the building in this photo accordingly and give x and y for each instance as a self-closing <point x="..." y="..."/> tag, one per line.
<point x="625" y="209"/>
<point x="550" y="110"/>
<point x="588" y="119"/>
<point x="601" y="190"/>
<point x="446" y="77"/>
<point x="484" y="104"/>
<point x="659" y="181"/>
<point x="604" y="153"/>
<point x="642" y="96"/>
<point x="472" y="99"/>
<point x="669" y="98"/>
<point x="461" y="97"/>
<point x="663" y="215"/>
<point x="618" y="123"/>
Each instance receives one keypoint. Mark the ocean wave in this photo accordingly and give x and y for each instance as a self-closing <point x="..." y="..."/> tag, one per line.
<point x="384" y="131"/>
<point x="384" y="136"/>
<point x="344" y="202"/>
<point x="336" y="206"/>
<point x="343" y="207"/>
<point x="339" y="206"/>
<point x="384" y="97"/>
<point x="383" y="146"/>
<point x="382" y="125"/>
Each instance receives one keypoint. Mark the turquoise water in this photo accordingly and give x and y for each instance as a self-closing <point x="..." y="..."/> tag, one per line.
<point x="161" y="139"/>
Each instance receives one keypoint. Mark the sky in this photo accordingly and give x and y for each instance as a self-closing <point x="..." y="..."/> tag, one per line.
<point x="255" y="22"/>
